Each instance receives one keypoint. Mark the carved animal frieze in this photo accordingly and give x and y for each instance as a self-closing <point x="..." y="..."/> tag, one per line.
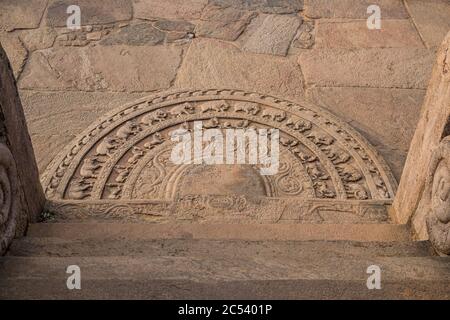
<point x="331" y="160"/>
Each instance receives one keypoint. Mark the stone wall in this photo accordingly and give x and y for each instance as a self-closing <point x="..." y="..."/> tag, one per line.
<point x="422" y="192"/>
<point x="21" y="199"/>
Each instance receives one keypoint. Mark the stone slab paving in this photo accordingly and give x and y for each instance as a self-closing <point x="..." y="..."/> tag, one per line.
<point x="375" y="68"/>
<point x="432" y="19"/>
<point x="210" y="63"/>
<point x="374" y="79"/>
<point x="355" y="34"/>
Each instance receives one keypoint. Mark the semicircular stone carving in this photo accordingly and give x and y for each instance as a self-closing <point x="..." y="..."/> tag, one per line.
<point x="9" y="198"/>
<point x="126" y="154"/>
<point x="438" y="187"/>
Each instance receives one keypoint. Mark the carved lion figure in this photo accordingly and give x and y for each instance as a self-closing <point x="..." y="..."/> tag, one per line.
<point x="9" y="198"/>
<point x="438" y="188"/>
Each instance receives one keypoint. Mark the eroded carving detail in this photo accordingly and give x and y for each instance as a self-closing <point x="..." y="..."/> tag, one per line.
<point x="230" y="208"/>
<point x="9" y="198"/>
<point x="438" y="189"/>
<point x="324" y="157"/>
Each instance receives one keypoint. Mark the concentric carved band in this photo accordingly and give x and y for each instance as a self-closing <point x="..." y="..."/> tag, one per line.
<point x="122" y="153"/>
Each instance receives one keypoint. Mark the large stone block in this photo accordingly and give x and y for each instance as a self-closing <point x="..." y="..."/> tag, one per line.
<point x="432" y="127"/>
<point x="22" y="198"/>
<point x="15" y="50"/>
<point x="381" y="68"/>
<point x="211" y="63"/>
<point x="92" y="12"/>
<point x="354" y="9"/>
<point x="270" y="34"/>
<point x="355" y="34"/>
<point x="169" y="9"/>
<point x="102" y="68"/>
<point x="224" y="23"/>
<point x="432" y="18"/>
<point x="264" y="6"/>
<point x="21" y="14"/>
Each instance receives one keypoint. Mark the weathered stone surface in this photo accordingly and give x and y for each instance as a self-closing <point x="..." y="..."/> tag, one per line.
<point x="305" y="36"/>
<point x="264" y="6"/>
<point x="354" y="9"/>
<point x="408" y="68"/>
<point x="102" y="68"/>
<point x="270" y="34"/>
<point x="435" y="200"/>
<point x="434" y="118"/>
<point x="82" y="108"/>
<point x="38" y="39"/>
<point x="21" y="14"/>
<point x="223" y="23"/>
<point x="171" y="25"/>
<point x="169" y="9"/>
<point x="355" y="34"/>
<point x="92" y="12"/>
<point x="135" y="35"/>
<point x="210" y="63"/>
<point x="22" y="198"/>
<point x="212" y="193"/>
<point x="16" y="52"/>
<point x="432" y="18"/>
<point x="386" y="117"/>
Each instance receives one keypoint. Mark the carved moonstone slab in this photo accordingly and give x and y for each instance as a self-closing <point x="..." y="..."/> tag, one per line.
<point x="438" y="192"/>
<point x="126" y="154"/>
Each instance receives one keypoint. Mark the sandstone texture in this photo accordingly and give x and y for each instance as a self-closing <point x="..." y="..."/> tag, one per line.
<point x="270" y="34"/>
<point x="170" y="9"/>
<point x="22" y="199"/>
<point x="215" y="64"/>
<point x="21" y="14"/>
<point x="102" y="103"/>
<point x="224" y="23"/>
<point x="16" y="52"/>
<point x="92" y="12"/>
<point x="355" y="34"/>
<point x="263" y="6"/>
<point x="55" y="107"/>
<point x="431" y="18"/>
<point x="382" y="68"/>
<point x="387" y="117"/>
<point x="354" y="9"/>
<point x="90" y="68"/>
<point x="431" y="129"/>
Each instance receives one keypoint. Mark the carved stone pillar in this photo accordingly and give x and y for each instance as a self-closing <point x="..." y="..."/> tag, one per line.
<point x="431" y="129"/>
<point x="10" y="205"/>
<point x="437" y="195"/>
<point x="21" y="195"/>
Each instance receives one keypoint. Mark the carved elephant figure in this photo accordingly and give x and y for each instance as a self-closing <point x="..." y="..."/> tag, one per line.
<point x="274" y="115"/>
<point x="184" y="109"/>
<point x="437" y="190"/>
<point x="10" y="198"/>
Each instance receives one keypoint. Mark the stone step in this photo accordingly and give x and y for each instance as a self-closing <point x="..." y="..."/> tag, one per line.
<point x="253" y="232"/>
<point x="229" y="290"/>
<point x="221" y="277"/>
<point x="59" y="247"/>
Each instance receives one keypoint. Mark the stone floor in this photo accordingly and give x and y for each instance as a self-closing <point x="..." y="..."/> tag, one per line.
<point x="319" y="49"/>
